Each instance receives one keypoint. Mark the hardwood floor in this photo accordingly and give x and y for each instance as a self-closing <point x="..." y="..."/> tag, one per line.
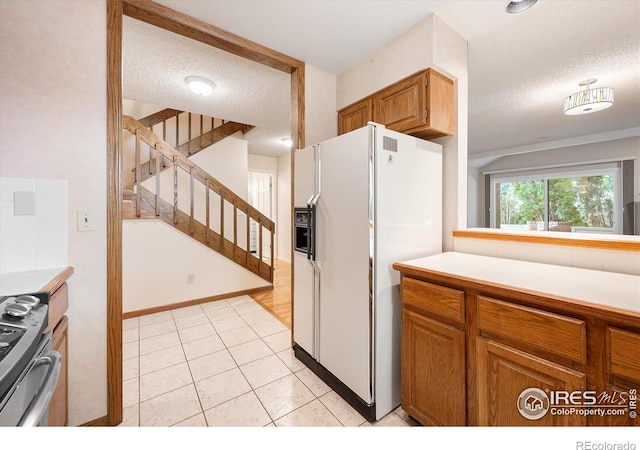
<point x="278" y="301"/>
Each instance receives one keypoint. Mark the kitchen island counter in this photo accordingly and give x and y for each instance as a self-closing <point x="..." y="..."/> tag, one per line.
<point x="478" y="333"/>
<point x="591" y="288"/>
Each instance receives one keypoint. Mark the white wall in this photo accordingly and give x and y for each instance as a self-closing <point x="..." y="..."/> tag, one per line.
<point x="150" y="279"/>
<point x="36" y="239"/>
<point x="627" y="262"/>
<point x="321" y="112"/>
<point x="283" y="222"/>
<point x="430" y="43"/>
<point x="54" y="127"/>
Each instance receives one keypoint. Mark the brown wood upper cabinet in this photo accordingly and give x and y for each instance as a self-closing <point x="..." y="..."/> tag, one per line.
<point x="420" y="105"/>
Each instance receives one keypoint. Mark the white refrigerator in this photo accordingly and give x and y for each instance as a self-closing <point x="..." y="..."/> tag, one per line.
<point x="363" y="200"/>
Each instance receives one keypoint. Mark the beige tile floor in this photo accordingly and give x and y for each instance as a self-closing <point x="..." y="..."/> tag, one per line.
<point x="225" y="363"/>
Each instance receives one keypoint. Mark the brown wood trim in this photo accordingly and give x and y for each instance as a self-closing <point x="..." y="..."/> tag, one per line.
<point x="168" y="19"/>
<point x="179" y="23"/>
<point x="298" y="141"/>
<point x="114" y="213"/>
<point x="59" y="280"/>
<point x="198" y="301"/>
<point x="99" y="422"/>
<point x="604" y="244"/>
<point x="160" y="116"/>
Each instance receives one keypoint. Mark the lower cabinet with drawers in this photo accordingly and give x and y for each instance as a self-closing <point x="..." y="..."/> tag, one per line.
<point x="476" y="353"/>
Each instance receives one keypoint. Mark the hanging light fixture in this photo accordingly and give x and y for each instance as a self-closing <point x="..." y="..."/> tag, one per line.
<point x="589" y="100"/>
<point x="517" y="6"/>
<point x="200" y="85"/>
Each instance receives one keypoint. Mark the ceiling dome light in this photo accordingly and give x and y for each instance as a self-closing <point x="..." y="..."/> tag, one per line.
<point x="589" y="100"/>
<point x="516" y="6"/>
<point x="200" y="86"/>
<point x="287" y="141"/>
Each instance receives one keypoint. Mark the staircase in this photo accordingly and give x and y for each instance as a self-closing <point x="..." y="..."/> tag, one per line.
<point x="174" y="118"/>
<point x="190" y="199"/>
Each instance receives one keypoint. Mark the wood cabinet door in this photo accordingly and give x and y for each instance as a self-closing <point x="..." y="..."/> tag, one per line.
<point x="355" y="116"/>
<point x="58" y="409"/>
<point x="433" y="371"/>
<point x="401" y="107"/>
<point x="505" y="373"/>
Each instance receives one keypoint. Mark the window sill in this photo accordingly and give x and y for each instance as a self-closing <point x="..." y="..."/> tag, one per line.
<point x="584" y="240"/>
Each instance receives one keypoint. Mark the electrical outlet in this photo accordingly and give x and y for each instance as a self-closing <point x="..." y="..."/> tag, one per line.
<point x="190" y="278"/>
<point x="85" y="221"/>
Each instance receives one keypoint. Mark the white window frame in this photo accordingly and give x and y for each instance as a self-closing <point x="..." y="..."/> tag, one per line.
<point x="546" y="175"/>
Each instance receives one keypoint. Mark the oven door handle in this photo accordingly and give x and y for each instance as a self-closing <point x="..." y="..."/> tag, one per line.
<point x="40" y="404"/>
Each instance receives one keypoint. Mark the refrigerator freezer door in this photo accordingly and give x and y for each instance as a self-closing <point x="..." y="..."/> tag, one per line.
<point x="304" y="318"/>
<point x="343" y="229"/>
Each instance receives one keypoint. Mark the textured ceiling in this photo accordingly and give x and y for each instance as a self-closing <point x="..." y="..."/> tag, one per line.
<point x="156" y="63"/>
<point x="520" y="66"/>
<point x="520" y="73"/>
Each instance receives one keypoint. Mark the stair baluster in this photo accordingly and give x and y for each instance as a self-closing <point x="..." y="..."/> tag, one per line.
<point x="137" y="158"/>
<point x="175" y="190"/>
<point x="158" y="157"/>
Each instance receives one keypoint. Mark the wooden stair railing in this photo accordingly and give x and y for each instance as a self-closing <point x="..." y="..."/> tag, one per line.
<point x="143" y="198"/>
<point x="193" y="144"/>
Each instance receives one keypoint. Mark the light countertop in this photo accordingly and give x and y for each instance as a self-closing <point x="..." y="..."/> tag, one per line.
<point x="29" y="281"/>
<point x="613" y="290"/>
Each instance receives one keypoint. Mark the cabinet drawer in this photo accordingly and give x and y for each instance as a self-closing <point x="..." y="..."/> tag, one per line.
<point x="432" y="298"/>
<point x="58" y="305"/>
<point x="623" y="351"/>
<point x="561" y="335"/>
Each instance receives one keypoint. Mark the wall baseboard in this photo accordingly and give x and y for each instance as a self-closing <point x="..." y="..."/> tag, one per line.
<point x="142" y="312"/>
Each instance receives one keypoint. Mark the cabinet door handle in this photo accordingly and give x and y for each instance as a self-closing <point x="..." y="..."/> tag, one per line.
<point x="426" y="114"/>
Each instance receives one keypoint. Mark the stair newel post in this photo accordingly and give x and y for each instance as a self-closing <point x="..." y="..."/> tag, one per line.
<point x="191" y="200"/>
<point x="158" y="157"/>
<point x="175" y="190"/>
<point x="206" y="187"/>
<point x="221" y="221"/>
<point x="137" y="157"/>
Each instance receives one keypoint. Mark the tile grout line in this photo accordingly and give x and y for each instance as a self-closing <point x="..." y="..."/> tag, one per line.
<point x="237" y="366"/>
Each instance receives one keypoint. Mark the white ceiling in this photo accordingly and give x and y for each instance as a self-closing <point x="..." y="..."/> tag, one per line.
<point x="520" y="66"/>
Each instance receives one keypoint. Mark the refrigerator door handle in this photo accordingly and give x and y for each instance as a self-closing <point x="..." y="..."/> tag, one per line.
<point x="312" y="205"/>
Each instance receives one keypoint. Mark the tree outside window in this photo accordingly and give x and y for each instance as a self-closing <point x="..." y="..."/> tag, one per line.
<point x="580" y="203"/>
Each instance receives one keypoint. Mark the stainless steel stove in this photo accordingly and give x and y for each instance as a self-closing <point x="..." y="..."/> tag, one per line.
<point x="29" y="369"/>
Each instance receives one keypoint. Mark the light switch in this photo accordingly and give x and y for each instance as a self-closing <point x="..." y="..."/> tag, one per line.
<point x="24" y="203"/>
<point x="85" y="221"/>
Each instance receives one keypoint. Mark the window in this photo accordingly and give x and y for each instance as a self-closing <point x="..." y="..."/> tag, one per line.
<point x="584" y="200"/>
